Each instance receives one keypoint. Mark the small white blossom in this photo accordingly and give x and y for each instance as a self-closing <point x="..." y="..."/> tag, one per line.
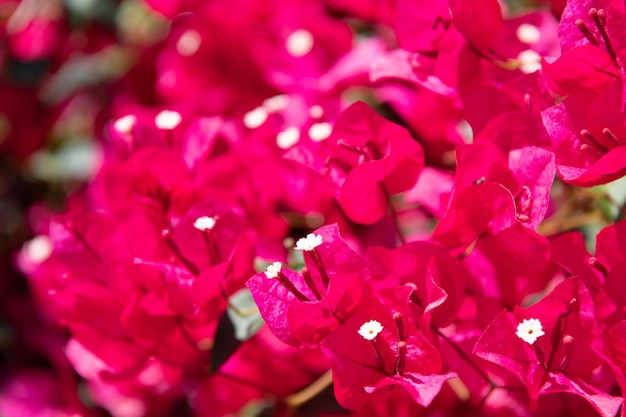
<point x="204" y="223"/>
<point x="316" y="111"/>
<point x="299" y="43"/>
<point x="38" y="249"/>
<point x="370" y="329"/>
<point x="168" y="119"/>
<point x="255" y="118"/>
<point x="189" y="43"/>
<point x="273" y="270"/>
<point x="320" y="131"/>
<point x="308" y="243"/>
<point x="125" y="124"/>
<point x="529" y="61"/>
<point x="276" y="103"/>
<point x="528" y="33"/>
<point x="288" y="137"/>
<point x="530" y="330"/>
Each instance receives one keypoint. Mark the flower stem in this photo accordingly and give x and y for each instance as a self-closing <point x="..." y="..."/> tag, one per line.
<point x="319" y="385"/>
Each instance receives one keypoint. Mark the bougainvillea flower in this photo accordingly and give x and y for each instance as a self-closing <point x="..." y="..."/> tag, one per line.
<point x="479" y="227"/>
<point x="587" y="132"/>
<point x="587" y="128"/>
<point x="131" y="299"/>
<point x="380" y="347"/>
<point x="391" y="162"/>
<point x="527" y="172"/>
<point x="367" y="158"/>
<point x="472" y="50"/>
<point x="561" y="360"/>
<point x="304" y="308"/>
<point x="245" y="175"/>
<point x="438" y="278"/>
<point x="208" y="232"/>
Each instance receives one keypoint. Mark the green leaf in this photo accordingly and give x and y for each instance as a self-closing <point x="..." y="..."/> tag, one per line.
<point x="239" y="323"/>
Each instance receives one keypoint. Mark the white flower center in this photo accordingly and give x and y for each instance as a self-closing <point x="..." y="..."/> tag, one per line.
<point x="168" y="119"/>
<point x="308" y="243"/>
<point x="528" y="33"/>
<point x="299" y="43"/>
<point x="204" y="223"/>
<point x="288" y="137"/>
<point x="320" y="131"/>
<point x="255" y="118"/>
<point x="38" y="249"/>
<point x="370" y="329"/>
<point x="189" y="43"/>
<point x="529" y="330"/>
<point x="273" y="270"/>
<point x="530" y="61"/>
<point x="276" y="103"/>
<point x="125" y="124"/>
<point x="316" y="111"/>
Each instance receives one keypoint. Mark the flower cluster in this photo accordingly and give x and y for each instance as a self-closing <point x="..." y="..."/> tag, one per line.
<point x="330" y="207"/>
